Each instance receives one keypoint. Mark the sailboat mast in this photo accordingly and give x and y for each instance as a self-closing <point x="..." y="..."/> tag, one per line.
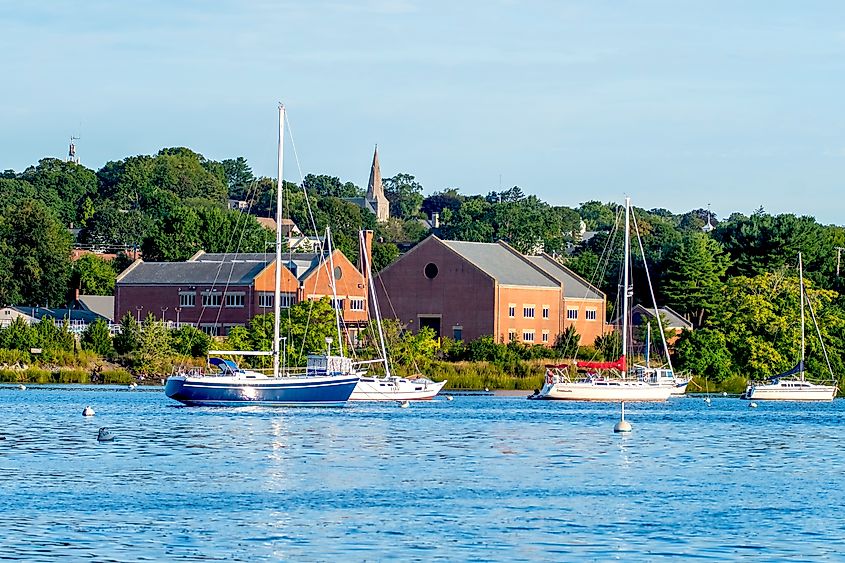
<point x="625" y="275"/>
<point x="376" y="310"/>
<point x="801" y="283"/>
<point x="333" y="282"/>
<point x="277" y="285"/>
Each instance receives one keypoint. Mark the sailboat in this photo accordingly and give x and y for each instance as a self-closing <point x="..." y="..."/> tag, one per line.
<point x="559" y="383"/>
<point x="785" y="387"/>
<point x="390" y="387"/>
<point x="663" y="375"/>
<point x="328" y="380"/>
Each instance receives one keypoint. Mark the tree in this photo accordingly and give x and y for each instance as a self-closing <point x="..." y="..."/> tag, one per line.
<point x="384" y="253"/>
<point x="19" y="335"/>
<point x="694" y="276"/>
<point x="189" y="341"/>
<point x="330" y="186"/>
<point x="154" y="344"/>
<point x="128" y="339"/>
<point x="97" y="338"/>
<point x="238" y="176"/>
<point x="63" y="186"/>
<point x="704" y="352"/>
<point x="405" y="196"/>
<point x="34" y="256"/>
<point x="93" y="275"/>
<point x="566" y="343"/>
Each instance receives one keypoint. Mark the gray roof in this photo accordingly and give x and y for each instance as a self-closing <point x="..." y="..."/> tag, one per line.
<point x="264" y="257"/>
<point x="102" y="305"/>
<point x="673" y="318"/>
<point x="39" y="313"/>
<point x="502" y="264"/>
<point x="574" y="286"/>
<point x="187" y="273"/>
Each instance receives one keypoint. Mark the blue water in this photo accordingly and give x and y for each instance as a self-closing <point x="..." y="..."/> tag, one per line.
<point x="477" y="478"/>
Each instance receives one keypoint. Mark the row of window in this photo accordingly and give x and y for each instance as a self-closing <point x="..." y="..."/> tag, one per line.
<point x="528" y="336"/>
<point x="265" y="300"/>
<point x="571" y="312"/>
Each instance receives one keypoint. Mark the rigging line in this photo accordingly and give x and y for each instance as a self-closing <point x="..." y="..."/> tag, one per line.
<point x="393" y="310"/>
<point x="217" y="275"/>
<point x="819" y="333"/>
<point x="242" y="220"/>
<point x="651" y="292"/>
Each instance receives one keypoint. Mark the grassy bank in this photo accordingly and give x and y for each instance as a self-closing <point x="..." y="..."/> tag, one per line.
<point x="733" y="385"/>
<point x="66" y="375"/>
<point x="480" y="375"/>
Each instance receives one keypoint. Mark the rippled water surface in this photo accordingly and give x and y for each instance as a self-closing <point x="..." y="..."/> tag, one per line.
<point x="490" y="478"/>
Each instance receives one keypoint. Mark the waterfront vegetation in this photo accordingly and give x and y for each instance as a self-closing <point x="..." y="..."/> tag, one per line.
<point x="736" y="282"/>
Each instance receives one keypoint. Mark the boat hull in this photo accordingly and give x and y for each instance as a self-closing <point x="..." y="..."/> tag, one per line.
<point x="790" y="391"/>
<point x="611" y="392"/>
<point x="395" y="389"/>
<point x="318" y="391"/>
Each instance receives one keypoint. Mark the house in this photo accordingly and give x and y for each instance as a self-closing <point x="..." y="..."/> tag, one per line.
<point x="77" y="320"/>
<point x="465" y="290"/>
<point x="375" y="201"/>
<point x="102" y="305"/>
<point x="216" y="292"/>
<point x="673" y="320"/>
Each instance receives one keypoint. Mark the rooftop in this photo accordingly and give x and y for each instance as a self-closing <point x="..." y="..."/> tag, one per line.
<point x="502" y="263"/>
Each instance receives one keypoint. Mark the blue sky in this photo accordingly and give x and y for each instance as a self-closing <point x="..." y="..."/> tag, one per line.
<point x="677" y="104"/>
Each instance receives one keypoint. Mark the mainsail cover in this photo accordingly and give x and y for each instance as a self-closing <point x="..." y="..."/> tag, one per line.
<point x="619" y="364"/>
<point x="799" y="367"/>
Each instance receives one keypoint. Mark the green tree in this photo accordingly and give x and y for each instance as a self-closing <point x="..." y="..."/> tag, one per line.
<point x="238" y="177"/>
<point x="97" y="338"/>
<point x="34" y="256"/>
<point x="405" y="196"/>
<point x="19" y="335"/>
<point x="694" y="276"/>
<point x="384" y="253"/>
<point x="704" y="352"/>
<point x="128" y="339"/>
<point x="189" y="341"/>
<point x="154" y="344"/>
<point x="566" y="343"/>
<point x="330" y="186"/>
<point x="63" y="186"/>
<point x="93" y="275"/>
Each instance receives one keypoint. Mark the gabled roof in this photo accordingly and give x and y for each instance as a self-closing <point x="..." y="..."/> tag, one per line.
<point x="102" y="305"/>
<point x="673" y="318"/>
<point x="574" y="286"/>
<point x="502" y="263"/>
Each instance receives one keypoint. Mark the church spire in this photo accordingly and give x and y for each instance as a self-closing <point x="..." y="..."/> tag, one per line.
<point x="375" y="191"/>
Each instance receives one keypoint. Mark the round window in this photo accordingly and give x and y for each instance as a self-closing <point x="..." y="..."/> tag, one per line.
<point x="338" y="273"/>
<point x="430" y="271"/>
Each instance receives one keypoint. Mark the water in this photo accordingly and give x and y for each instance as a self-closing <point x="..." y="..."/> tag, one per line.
<point x="477" y="478"/>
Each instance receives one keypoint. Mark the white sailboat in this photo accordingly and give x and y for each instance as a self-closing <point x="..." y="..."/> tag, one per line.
<point x="593" y="387"/>
<point x="326" y="381"/>
<point x="784" y="387"/>
<point x="664" y="376"/>
<point x="389" y="387"/>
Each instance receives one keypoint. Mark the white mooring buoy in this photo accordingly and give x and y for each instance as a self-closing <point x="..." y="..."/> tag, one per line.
<point x="752" y="405"/>
<point x="623" y="425"/>
<point x="22" y="387"/>
<point x="450" y="398"/>
<point x="707" y="400"/>
<point x="104" y="435"/>
<point x="724" y="393"/>
<point x="87" y="411"/>
<point x="405" y="404"/>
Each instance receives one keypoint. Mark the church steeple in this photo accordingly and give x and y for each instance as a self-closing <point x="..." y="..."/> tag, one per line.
<point x="375" y="191"/>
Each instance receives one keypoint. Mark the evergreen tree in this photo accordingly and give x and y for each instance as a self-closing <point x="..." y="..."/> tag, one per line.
<point x="128" y="339"/>
<point x="694" y="276"/>
<point x="97" y="339"/>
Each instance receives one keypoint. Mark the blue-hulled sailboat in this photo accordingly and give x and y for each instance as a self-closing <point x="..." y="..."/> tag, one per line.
<point x="327" y="380"/>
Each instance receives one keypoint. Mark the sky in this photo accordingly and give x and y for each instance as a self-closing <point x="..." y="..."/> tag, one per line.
<point x="677" y="104"/>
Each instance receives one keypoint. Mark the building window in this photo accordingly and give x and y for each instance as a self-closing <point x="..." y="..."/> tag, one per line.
<point x="528" y="336"/>
<point x="430" y="270"/>
<point x="572" y="314"/>
<point x="511" y="335"/>
<point x="210" y="329"/>
<point x="265" y="300"/>
<point x="545" y="311"/>
<point x="512" y="310"/>
<point x="457" y="333"/>
<point x="590" y="314"/>
<point x="338" y="273"/>
<point x="187" y="298"/>
<point x="356" y="304"/>
<point x="528" y="311"/>
<point x="336" y="304"/>
<point x="211" y="299"/>
<point x="545" y="336"/>
<point x="234" y="299"/>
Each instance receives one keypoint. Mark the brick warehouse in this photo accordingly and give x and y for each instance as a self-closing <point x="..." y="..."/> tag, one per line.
<point x="465" y="290"/>
<point x="218" y="291"/>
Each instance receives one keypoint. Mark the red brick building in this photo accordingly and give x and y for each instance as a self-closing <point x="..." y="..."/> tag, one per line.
<point x="218" y="291"/>
<point x="465" y="290"/>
